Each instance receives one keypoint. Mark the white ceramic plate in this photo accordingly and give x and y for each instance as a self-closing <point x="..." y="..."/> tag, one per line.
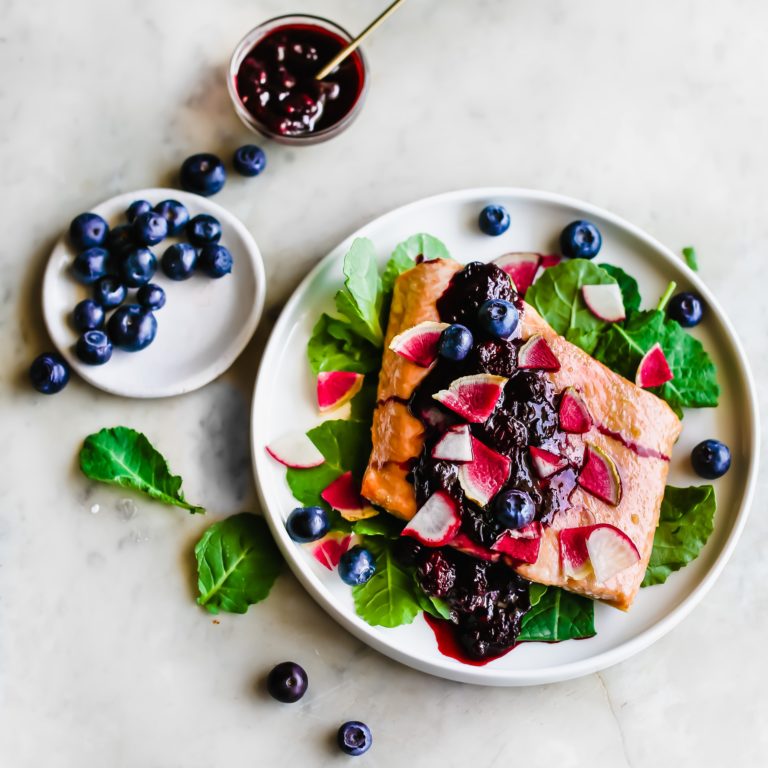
<point x="284" y="400"/>
<point x="204" y="325"/>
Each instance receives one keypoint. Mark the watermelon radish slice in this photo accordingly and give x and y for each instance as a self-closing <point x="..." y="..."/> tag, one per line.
<point x="295" y="450"/>
<point x="521" y="267"/>
<point x="334" y="388"/>
<point x="473" y="397"/>
<point x="343" y="494"/>
<point x="484" y="476"/>
<point x="464" y="544"/>
<point x="524" y="550"/>
<point x="602" y="550"/>
<point x="653" y="370"/>
<point x="599" y="476"/>
<point x="454" y="445"/>
<point x="436" y="523"/>
<point x="573" y="412"/>
<point x="604" y="301"/>
<point x="574" y="558"/>
<point x="550" y="260"/>
<point x="546" y="463"/>
<point x="329" y="551"/>
<point x="538" y="355"/>
<point x="419" y="344"/>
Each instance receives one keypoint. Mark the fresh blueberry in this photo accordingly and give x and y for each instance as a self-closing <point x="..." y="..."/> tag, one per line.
<point x="151" y="296"/>
<point x="356" y="566"/>
<point x="287" y="682"/>
<point x="150" y="228"/>
<point x="49" y="373"/>
<point x="494" y="220"/>
<point x="138" y="267"/>
<point x="203" y="229"/>
<point x="513" y="509"/>
<point x="121" y="240"/>
<point x="132" y="328"/>
<point x="580" y="240"/>
<point x="215" y="260"/>
<point x="455" y="342"/>
<point x="686" y="308"/>
<point x="88" y="230"/>
<point x="711" y="459"/>
<point x="175" y="214"/>
<point x="88" y="315"/>
<point x="94" y="348"/>
<point x="109" y="292"/>
<point x="203" y="174"/>
<point x="249" y="160"/>
<point x="499" y="318"/>
<point x="136" y="209"/>
<point x="179" y="261"/>
<point x="354" y="738"/>
<point x="91" y="265"/>
<point x="307" y="524"/>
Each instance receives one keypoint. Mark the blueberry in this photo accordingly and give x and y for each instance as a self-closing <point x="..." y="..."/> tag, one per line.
<point x="91" y="265"/>
<point x="136" y="209"/>
<point x="179" y="261"/>
<point x="215" y="260"/>
<point x="203" y="174"/>
<point x="49" y="373"/>
<point x="287" y="682"/>
<point x="138" y="267"/>
<point x="407" y="551"/>
<point x="494" y="220"/>
<point x="499" y="318"/>
<point x="88" y="315"/>
<point x="686" y="308"/>
<point x="121" y="240"/>
<point x="354" y="738"/>
<point x="356" y="566"/>
<point x="88" y="230"/>
<point x="151" y="296"/>
<point x="150" y="228"/>
<point x="94" y="348"/>
<point x="204" y="229"/>
<point x="455" y="342"/>
<point x="175" y="214"/>
<point x="132" y="328"/>
<point x="249" y="160"/>
<point x="307" y="524"/>
<point x="711" y="459"/>
<point x="513" y="509"/>
<point x="109" y="292"/>
<point x="580" y="240"/>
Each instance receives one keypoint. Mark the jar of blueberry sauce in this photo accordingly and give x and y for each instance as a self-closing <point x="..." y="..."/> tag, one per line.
<point x="272" y="80"/>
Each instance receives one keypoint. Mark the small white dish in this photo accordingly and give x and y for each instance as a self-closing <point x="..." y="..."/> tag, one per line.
<point x="203" y="327"/>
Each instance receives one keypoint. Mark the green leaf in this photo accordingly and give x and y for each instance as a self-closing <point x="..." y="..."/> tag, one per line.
<point x="405" y="254"/>
<point x="689" y="254"/>
<point x="686" y="522"/>
<point x="434" y="606"/>
<point x="360" y="299"/>
<point x="536" y="592"/>
<point x="382" y="525"/>
<point x="333" y="346"/>
<point x="557" y="615"/>
<point x="364" y="402"/>
<point x="630" y="292"/>
<point x="121" y="456"/>
<point x="237" y="563"/>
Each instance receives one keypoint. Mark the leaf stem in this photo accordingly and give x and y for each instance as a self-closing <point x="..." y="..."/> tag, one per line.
<point x="666" y="296"/>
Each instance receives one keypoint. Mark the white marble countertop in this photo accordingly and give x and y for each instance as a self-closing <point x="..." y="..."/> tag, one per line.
<point x="655" y="110"/>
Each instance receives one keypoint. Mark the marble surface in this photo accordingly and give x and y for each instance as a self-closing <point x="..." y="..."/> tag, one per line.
<point x="655" y="110"/>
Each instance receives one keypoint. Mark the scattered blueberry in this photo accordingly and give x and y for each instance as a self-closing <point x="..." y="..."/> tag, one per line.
<point x="287" y="682"/>
<point x="204" y="229"/>
<point x="94" y="348"/>
<point x="499" y="318"/>
<point x="175" y="214"/>
<point x="49" y="373"/>
<point x="132" y="328"/>
<point x="455" y="342"/>
<point x="178" y="261"/>
<point x="249" y="160"/>
<point x="88" y="230"/>
<point x="580" y="240"/>
<point x="138" y="267"/>
<point x="215" y="260"/>
<point x="150" y="228"/>
<point x="88" y="315"/>
<point x="91" y="265"/>
<point x="407" y="551"/>
<point x="686" y="308"/>
<point x="307" y="524"/>
<point x="109" y="292"/>
<point x="121" y="240"/>
<point x="151" y="296"/>
<point x="203" y="174"/>
<point x="494" y="220"/>
<point x="356" y="566"/>
<point x="136" y="209"/>
<point x="514" y="509"/>
<point x="711" y="459"/>
<point x="354" y="738"/>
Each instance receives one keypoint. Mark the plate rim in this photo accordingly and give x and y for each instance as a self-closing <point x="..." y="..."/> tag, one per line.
<point x="479" y="674"/>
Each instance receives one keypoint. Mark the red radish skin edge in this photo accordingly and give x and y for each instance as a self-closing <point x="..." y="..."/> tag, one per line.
<point x="578" y="558"/>
<point x="296" y="451"/>
<point x="418" y="345"/>
<point x="328" y="552"/>
<point x="334" y="388"/>
<point x="573" y="413"/>
<point x="546" y="463"/>
<point x="343" y="494"/>
<point x="600" y="476"/>
<point x="521" y="268"/>
<point x="436" y="523"/>
<point x="518" y="549"/>
<point x="604" y="301"/>
<point x="455" y="445"/>
<point x="474" y="398"/>
<point x="654" y="369"/>
<point x="463" y="543"/>
<point x="536" y="354"/>
<point x="483" y="477"/>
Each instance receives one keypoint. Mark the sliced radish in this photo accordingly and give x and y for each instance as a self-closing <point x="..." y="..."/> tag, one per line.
<point x="599" y="476"/>
<point x="521" y="267"/>
<point x="550" y="260"/>
<point x="334" y="388"/>
<point x="436" y="523"/>
<point x="604" y="301"/>
<point x="419" y="344"/>
<point x="524" y="550"/>
<point x="537" y="354"/>
<point x="530" y="531"/>
<point x="573" y="412"/>
<point x="546" y="463"/>
<point x="343" y="494"/>
<point x="654" y="369"/>
<point x="463" y="543"/>
<point x="295" y="450"/>
<point x="602" y="549"/>
<point x="574" y="557"/>
<point x="454" y="445"/>
<point x="329" y="551"/>
<point x="473" y="397"/>
<point x="483" y="477"/>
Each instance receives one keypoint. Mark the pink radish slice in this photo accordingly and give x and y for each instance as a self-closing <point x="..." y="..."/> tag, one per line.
<point x="483" y="477"/>
<point x="464" y="544"/>
<point x="550" y="260"/>
<point x="573" y="412"/>
<point x="601" y="549"/>
<point x="454" y="445"/>
<point x="524" y="550"/>
<point x="536" y="354"/>
<point x="604" y="301"/>
<point x="295" y="450"/>
<point x="329" y="551"/>
<point x="521" y="267"/>
<point x="474" y="398"/>
<point x="334" y="388"/>
<point x="419" y="344"/>
<point x="436" y="523"/>
<point x="343" y="494"/>
<point x="654" y="369"/>
<point x="600" y="476"/>
<point x="574" y="558"/>
<point x="546" y="463"/>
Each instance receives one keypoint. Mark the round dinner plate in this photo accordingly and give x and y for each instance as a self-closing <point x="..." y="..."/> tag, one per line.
<point x="204" y="325"/>
<point x="284" y="401"/>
